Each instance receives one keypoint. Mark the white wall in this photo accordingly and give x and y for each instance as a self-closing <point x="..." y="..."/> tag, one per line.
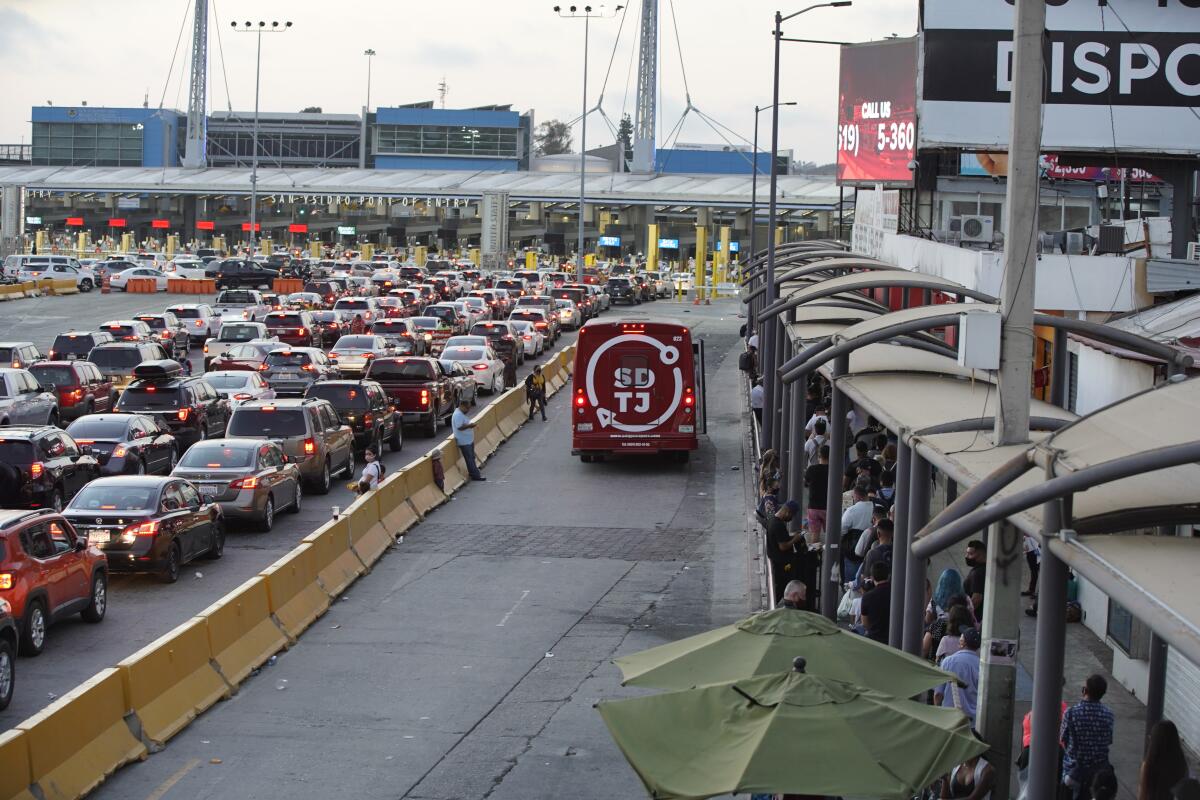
<point x="1104" y="379"/>
<point x="1183" y="697"/>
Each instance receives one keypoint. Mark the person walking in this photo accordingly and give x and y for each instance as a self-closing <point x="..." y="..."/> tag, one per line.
<point x="1164" y="765"/>
<point x="535" y="392"/>
<point x="464" y="435"/>
<point x="1086" y="734"/>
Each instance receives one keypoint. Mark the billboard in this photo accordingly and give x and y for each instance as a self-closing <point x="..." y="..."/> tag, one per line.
<point x="610" y="241"/>
<point x="996" y="165"/>
<point x="1122" y="75"/>
<point x="668" y="244"/>
<point x="877" y="112"/>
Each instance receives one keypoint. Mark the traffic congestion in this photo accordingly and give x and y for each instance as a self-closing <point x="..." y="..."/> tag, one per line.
<point x="137" y="448"/>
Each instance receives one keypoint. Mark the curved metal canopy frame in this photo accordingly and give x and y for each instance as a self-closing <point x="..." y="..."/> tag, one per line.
<point x="756" y="268"/>
<point x="838" y="264"/>
<point x="876" y="280"/>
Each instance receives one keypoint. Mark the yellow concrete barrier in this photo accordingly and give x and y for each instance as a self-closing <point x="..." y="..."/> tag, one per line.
<point x="296" y="597"/>
<point x="241" y="633"/>
<point x="337" y="564"/>
<point x="171" y="681"/>
<point x="368" y="534"/>
<point x="423" y="493"/>
<point x="395" y="503"/>
<point x="64" y="286"/>
<point x="81" y="738"/>
<point x="487" y="431"/>
<point x="453" y="465"/>
<point x="15" y="772"/>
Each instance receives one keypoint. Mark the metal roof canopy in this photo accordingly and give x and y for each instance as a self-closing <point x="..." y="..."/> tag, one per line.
<point x="859" y="282"/>
<point x="797" y="192"/>
<point x="827" y="266"/>
<point x="807" y="247"/>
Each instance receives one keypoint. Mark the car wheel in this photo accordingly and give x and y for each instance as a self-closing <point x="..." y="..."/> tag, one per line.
<point x="322" y="487"/>
<point x="297" y="500"/>
<point x="396" y="441"/>
<point x="430" y="426"/>
<point x="170" y="570"/>
<point x="56" y="499"/>
<point x="139" y="467"/>
<point x="203" y="432"/>
<point x="8" y="673"/>
<point x="52" y="421"/>
<point x="348" y="470"/>
<point x="377" y="445"/>
<point x="95" y="610"/>
<point x="267" y="521"/>
<point x="85" y="285"/>
<point x="218" y="544"/>
<point x="90" y="408"/>
<point x="174" y="461"/>
<point x="33" y="632"/>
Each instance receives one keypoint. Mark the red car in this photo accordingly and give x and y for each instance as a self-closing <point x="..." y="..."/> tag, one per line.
<point x="79" y="385"/>
<point x="297" y="328"/>
<point x="47" y="573"/>
<point x="249" y="356"/>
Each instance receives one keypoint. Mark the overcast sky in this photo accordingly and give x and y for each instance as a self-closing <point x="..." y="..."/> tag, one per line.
<point x="113" y="53"/>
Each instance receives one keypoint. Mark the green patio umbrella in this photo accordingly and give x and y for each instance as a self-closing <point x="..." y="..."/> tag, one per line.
<point x="766" y="643"/>
<point x="787" y="733"/>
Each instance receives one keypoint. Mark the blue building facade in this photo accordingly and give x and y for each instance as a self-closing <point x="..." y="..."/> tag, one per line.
<point x="715" y="161"/>
<point x="83" y="136"/>
<point x="422" y="137"/>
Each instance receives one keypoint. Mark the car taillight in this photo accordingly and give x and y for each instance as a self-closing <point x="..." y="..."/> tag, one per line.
<point x="307" y="368"/>
<point x="479" y="366"/>
<point x="249" y="482"/>
<point x="241" y="396"/>
<point x="205" y="348"/>
<point x="689" y="398"/>
<point x="302" y="331"/>
<point x="526" y="337"/>
<point x="166" y="334"/>
<point x="539" y="325"/>
<point x="368" y="419"/>
<point x="310" y="446"/>
<point x="424" y="397"/>
<point x="199" y="323"/>
<point x="182" y="414"/>
<point x="36" y="469"/>
<point x="263" y="367"/>
<point x="51" y="355"/>
<point x="149" y="528"/>
<point x="119" y="452"/>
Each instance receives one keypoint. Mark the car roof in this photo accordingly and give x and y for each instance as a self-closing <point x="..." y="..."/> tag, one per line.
<point x="8" y="431"/>
<point x="121" y="345"/>
<point x="154" y="481"/>
<point x="10" y="517"/>
<point x="16" y="344"/>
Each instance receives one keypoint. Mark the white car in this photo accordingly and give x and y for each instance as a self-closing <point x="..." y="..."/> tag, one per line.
<point x="568" y="314"/>
<point x="85" y="279"/>
<point x="121" y="279"/>
<point x="471" y="312"/>
<point x="467" y="341"/>
<point x="481" y="305"/>
<point x="201" y="321"/>
<point x="603" y="301"/>
<point x="533" y="340"/>
<point x="485" y="366"/>
<point x="231" y="334"/>
<point x="239" y="385"/>
<point x="186" y="267"/>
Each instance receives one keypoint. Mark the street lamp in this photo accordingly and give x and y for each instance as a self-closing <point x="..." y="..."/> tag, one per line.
<point x="754" y="190"/>
<point x="767" y="335"/>
<point x="258" y="28"/>
<point x="585" y="13"/>
<point x="369" y="53"/>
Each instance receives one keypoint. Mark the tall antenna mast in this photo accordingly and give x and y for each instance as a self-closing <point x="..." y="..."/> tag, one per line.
<point x="194" y="152"/>
<point x="647" y="89"/>
<point x="443" y="90"/>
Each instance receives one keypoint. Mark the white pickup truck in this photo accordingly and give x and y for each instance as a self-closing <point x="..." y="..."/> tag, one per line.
<point x="235" y="305"/>
<point x="233" y="332"/>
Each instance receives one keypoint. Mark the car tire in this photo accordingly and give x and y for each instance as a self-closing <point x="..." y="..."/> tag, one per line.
<point x="174" y="460"/>
<point x="218" y="546"/>
<point x="174" y="566"/>
<point x="267" y="521"/>
<point x="52" y="420"/>
<point x="139" y="467"/>
<point x="95" y="611"/>
<point x="56" y="499"/>
<point x="8" y="673"/>
<point x="348" y="470"/>
<point x="326" y="480"/>
<point x="90" y="408"/>
<point x="429" y="428"/>
<point x="85" y="285"/>
<point x="297" y="500"/>
<point x="33" y="630"/>
<point x="396" y="440"/>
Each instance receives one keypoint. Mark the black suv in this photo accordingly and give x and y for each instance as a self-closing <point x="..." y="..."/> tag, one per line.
<point x="170" y="332"/>
<point x="364" y="406"/>
<point x="240" y="273"/>
<point x="190" y="406"/>
<point x="502" y="339"/>
<point x="8" y="655"/>
<point x="624" y="290"/>
<point x="42" y="467"/>
<point x="75" y="345"/>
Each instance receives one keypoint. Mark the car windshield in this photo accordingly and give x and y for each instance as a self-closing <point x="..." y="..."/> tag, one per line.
<point x="101" y="497"/>
<point x="620" y="283"/>
<point x="59" y="376"/>
<point x="16" y="451"/>
<point x="520" y="326"/>
<point x="340" y="395"/>
<point x="70" y="343"/>
<point x="442" y="313"/>
<point x="290" y="359"/>
<point x="99" y="428"/>
<point x="399" y="370"/>
<point x="392" y="326"/>
<point x="355" y="343"/>
<point x="218" y="456"/>
<point x="463" y="354"/>
<point x="227" y="380"/>
<point x="425" y="323"/>
<point x="123" y="358"/>
<point x="325" y="316"/>
<point x="237" y="333"/>
<point x="155" y="323"/>
<point x="121" y="331"/>
<point x="149" y="398"/>
<point x="254" y="351"/>
<point x="268" y="421"/>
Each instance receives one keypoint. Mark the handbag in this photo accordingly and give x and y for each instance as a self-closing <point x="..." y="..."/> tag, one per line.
<point x="846" y="606"/>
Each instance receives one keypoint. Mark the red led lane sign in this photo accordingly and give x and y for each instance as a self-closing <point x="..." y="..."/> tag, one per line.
<point x="877" y="116"/>
<point x="205" y="225"/>
<point x="117" y="222"/>
<point x="75" y="222"/>
<point x="257" y="227"/>
<point x="298" y="227"/>
<point x="160" y="223"/>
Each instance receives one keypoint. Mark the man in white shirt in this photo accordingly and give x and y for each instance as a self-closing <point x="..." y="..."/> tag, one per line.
<point x="756" y="400"/>
<point x="464" y="435"/>
<point x="815" y="440"/>
<point x="858" y="516"/>
<point x="753" y="342"/>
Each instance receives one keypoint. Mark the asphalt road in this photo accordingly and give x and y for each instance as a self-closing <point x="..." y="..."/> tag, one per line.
<point x="465" y="665"/>
<point x="140" y="607"/>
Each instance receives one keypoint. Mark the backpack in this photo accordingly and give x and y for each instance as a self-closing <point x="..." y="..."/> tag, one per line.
<point x="529" y="382"/>
<point x="746" y="361"/>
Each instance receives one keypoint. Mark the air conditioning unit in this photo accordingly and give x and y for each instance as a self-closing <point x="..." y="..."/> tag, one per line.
<point x="1193" y="252"/>
<point x="1074" y="243"/>
<point x="978" y="229"/>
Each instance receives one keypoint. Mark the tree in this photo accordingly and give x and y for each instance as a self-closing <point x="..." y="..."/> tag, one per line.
<point x="625" y="141"/>
<point x="553" y="137"/>
<point x="311" y="110"/>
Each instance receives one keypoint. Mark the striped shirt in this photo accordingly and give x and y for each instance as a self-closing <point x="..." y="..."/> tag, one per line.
<point x="1086" y="734"/>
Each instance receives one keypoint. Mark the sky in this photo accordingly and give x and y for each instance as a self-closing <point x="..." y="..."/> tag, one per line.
<point x="519" y="52"/>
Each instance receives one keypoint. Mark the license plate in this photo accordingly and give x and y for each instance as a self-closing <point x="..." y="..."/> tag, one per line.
<point x="584" y="427"/>
<point x="210" y="491"/>
<point x="287" y="375"/>
<point x="99" y="537"/>
<point x="687" y="428"/>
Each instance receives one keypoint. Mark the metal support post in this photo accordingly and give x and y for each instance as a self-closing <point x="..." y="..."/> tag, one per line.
<point x="919" y="483"/>
<point x="587" y="21"/>
<point x="784" y="428"/>
<point x="254" y="149"/>
<point x="1157" y="688"/>
<point x="1001" y="624"/>
<point x="796" y="454"/>
<point x="833" y="501"/>
<point x="766" y="354"/>
<point x="774" y="410"/>
<point x="900" y="543"/>
<point x="1049" y="656"/>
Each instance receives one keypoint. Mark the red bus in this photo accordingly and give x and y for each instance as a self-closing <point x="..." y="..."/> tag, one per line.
<point x="638" y="387"/>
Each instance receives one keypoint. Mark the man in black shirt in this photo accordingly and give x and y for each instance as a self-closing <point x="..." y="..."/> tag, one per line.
<point x="877" y="604"/>
<point x="973" y="585"/>
<point x="816" y="478"/>
<point x="781" y="548"/>
<point x="861" y="465"/>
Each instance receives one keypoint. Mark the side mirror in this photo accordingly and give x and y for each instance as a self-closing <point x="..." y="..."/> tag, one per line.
<point x="80" y="545"/>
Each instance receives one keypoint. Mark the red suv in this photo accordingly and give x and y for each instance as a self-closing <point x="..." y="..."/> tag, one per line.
<point x="48" y="572"/>
<point x="80" y="386"/>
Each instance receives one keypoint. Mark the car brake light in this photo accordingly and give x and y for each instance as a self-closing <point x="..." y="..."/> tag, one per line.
<point x="119" y="452"/>
<point x="166" y="334"/>
<point x="183" y="414"/>
<point x="6" y="580"/>
<point x="526" y="337"/>
<point x="263" y="367"/>
<point x="310" y="446"/>
<point x="424" y="397"/>
<point x="367" y="419"/>
<point x="36" y="469"/>
<point x="689" y="398"/>
<point x="241" y="396"/>
<point x="302" y="332"/>
<point x="199" y="323"/>
<point x="479" y="366"/>
<point x="205" y="348"/>
<point x="149" y="528"/>
<point x="249" y="482"/>
<point x="307" y="368"/>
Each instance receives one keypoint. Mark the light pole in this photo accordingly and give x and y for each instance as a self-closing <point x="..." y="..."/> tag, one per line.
<point x="258" y="29"/>
<point x="369" y="53"/>
<point x="754" y="194"/>
<point x="585" y="13"/>
<point x="767" y="336"/>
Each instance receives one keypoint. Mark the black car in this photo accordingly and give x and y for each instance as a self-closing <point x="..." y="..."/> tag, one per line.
<point x="407" y="342"/>
<point x="134" y="444"/>
<point x="241" y="273"/>
<point x="42" y="467"/>
<point x="189" y="406"/>
<point x="624" y="290"/>
<point x="286" y="265"/>
<point x="502" y="339"/>
<point x="364" y="406"/>
<point x="329" y="292"/>
<point x="75" y="345"/>
<point x="172" y="334"/>
<point x="148" y="524"/>
<point x="8" y="656"/>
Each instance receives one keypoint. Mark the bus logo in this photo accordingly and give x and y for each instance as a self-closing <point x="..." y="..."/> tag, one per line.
<point x="632" y="384"/>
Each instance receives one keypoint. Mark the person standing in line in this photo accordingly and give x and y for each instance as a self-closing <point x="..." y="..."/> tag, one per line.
<point x="1033" y="558"/>
<point x="1164" y="765"/>
<point x="781" y="548"/>
<point x="964" y="664"/>
<point x="976" y="558"/>
<point x="816" y="478"/>
<point x="535" y="392"/>
<point x="464" y="435"/>
<point x="795" y="596"/>
<point x="1086" y="734"/>
<point x="756" y="400"/>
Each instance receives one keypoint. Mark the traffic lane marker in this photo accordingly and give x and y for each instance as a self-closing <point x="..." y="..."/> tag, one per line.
<point x="169" y="783"/>
<point x="504" y="620"/>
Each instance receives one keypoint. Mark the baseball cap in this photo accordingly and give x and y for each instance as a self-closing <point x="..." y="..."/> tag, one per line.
<point x="792" y="506"/>
<point x="971" y="638"/>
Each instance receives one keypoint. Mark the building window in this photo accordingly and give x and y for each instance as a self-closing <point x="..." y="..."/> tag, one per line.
<point x="447" y="140"/>
<point x="83" y="144"/>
